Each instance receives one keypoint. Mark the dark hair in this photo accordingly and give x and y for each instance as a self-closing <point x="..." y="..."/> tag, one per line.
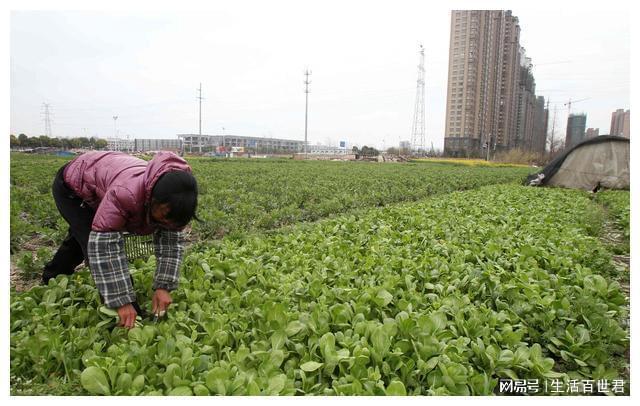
<point x="180" y="190"/>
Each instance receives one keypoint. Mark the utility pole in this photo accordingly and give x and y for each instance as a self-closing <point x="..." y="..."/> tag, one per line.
<point x="47" y="119"/>
<point x="306" y="109"/>
<point x="488" y="146"/>
<point x="546" y="123"/>
<point x="115" y="130"/>
<point x="200" y="118"/>
<point x="553" y="131"/>
<point x="418" y="129"/>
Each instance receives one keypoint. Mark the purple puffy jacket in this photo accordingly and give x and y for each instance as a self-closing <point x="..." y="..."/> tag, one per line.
<point x="118" y="187"/>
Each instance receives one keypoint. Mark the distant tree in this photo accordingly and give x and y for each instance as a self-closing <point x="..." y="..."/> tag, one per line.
<point x="55" y="142"/>
<point x="355" y="150"/>
<point x="23" y="140"/>
<point x="42" y="141"/>
<point x="369" y="151"/>
<point x="65" y="143"/>
<point x="100" y="144"/>
<point x="393" y="151"/>
<point x="84" y="142"/>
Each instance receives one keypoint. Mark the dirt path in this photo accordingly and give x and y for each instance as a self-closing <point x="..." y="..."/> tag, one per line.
<point x="17" y="281"/>
<point x="613" y="237"/>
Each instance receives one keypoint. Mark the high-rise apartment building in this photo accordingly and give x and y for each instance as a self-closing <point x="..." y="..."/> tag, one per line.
<point x="546" y="127"/>
<point x="531" y="117"/>
<point x="526" y="100"/>
<point x="620" y="123"/>
<point x="592" y="132"/>
<point x="540" y="120"/>
<point x="483" y="81"/>
<point x="509" y="86"/>
<point x="576" y="125"/>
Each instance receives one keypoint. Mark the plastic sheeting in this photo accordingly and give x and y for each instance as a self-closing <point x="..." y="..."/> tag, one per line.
<point x="604" y="164"/>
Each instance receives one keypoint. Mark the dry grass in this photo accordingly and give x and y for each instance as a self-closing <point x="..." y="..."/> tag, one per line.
<point x="520" y="157"/>
<point x="472" y="162"/>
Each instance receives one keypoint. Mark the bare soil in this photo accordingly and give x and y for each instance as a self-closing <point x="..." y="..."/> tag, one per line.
<point x="17" y="281"/>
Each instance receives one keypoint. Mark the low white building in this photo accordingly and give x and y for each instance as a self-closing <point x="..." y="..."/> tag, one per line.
<point x="120" y="144"/>
<point x="327" y="150"/>
<point x="206" y="143"/>
<point x="157" y="144"/>
<point x="143" y="144"/>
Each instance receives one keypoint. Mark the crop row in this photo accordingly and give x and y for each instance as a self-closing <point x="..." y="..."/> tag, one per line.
<point x="443" y="296"/>
<point x="241" y="196"/>
<point x="33" y="212"/>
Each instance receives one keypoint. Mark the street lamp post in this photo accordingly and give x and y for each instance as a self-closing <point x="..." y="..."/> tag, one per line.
<point x="224" y="147"/>
<point x="115" y="131"/>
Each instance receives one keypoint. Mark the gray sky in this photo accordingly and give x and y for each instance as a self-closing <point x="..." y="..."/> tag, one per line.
<point x="144" y="66"/>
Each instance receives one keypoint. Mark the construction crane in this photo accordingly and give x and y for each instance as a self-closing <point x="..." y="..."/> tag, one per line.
<point x="569" y="103"/>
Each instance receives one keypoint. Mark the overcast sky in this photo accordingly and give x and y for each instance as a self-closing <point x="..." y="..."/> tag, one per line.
<point x="144" y="66"/>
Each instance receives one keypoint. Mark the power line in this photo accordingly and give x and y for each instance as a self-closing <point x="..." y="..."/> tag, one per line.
<point x="129" y="106"/>
<point x="362" y="91"/>
<point x="551" y="63"/>
<point x="569" y="103"/>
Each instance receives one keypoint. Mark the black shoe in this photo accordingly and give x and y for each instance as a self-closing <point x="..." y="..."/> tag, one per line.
<point x="46" y="276"/>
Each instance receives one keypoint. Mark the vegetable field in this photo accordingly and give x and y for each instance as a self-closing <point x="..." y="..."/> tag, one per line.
<point x="237" y="196"/>
<point x="462" y="284"/>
